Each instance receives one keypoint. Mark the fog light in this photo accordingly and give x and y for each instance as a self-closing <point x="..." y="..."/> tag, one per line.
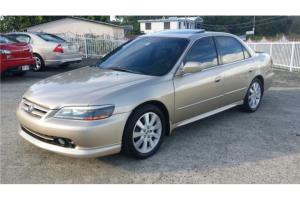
<point x="61" y="141"/>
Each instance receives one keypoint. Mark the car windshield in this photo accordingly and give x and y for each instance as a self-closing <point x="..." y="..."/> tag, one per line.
<point x="7" y="40"/>
<point x="50" y="38"/>
<point x="154" y="56"/>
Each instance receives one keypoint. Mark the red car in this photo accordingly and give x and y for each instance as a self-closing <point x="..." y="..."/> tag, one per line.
<point x="16" y="57"/>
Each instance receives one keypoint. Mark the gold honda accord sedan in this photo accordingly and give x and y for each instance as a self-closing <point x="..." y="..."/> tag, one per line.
<point x="141" y="91"/>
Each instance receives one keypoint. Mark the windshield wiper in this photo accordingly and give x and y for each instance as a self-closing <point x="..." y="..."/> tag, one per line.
<point x="123" y="70"/>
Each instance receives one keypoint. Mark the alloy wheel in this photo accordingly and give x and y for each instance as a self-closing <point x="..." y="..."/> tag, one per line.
<point x="254" y="95"/>
<point x="38" y="63"/>
<point x="147" y="132"/>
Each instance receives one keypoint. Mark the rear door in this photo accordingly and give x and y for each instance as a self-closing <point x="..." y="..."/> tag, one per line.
<point x="202" y="91"/>
<point x="236" y="68"/>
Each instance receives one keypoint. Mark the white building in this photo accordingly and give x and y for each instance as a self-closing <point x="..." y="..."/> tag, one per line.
<point x="80" y="26"/>
<point x="155" y="25"/>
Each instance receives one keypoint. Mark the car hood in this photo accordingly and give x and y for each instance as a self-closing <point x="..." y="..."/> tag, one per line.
<point x="81" y="87"/>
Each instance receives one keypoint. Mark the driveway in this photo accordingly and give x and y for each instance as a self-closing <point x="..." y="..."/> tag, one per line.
<point x="230" y="147"/>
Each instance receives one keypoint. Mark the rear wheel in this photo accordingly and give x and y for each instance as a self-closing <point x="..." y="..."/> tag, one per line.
<point x="144" y="132"/>
<point x="39" y="63"/>
<point x="253" y="97"/>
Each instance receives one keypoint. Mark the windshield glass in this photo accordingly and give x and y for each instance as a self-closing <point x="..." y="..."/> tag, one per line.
<point x="7" y="40"/>
<point x="146" y="55"/>
<point x="50" y="38"/>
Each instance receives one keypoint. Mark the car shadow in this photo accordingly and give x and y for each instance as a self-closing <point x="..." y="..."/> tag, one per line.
<point x="47" y="72"/>
<point x="227" y="139"/>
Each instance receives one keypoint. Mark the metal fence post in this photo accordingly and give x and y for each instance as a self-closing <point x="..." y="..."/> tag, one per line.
<point x="85" y="48"/>
<point x="292" y="56"/>
<point x="271" y="45"/>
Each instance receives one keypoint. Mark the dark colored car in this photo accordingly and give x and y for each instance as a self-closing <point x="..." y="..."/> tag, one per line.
<point x="16" y="57"/>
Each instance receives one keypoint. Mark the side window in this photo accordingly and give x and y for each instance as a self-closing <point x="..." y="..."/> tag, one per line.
<point x="230" y="49"/>
<point x="204" y="52"/>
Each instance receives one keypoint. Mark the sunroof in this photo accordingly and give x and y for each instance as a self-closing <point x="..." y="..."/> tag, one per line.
<point x="185" y="31"/>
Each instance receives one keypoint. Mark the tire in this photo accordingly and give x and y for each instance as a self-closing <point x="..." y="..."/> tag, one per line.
<point x="40" y="64"/>
<point x="138" y="144"/>
<point x="254" y="96"/>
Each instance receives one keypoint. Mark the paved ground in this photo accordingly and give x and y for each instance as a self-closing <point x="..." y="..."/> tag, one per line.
<point x="231" y="147"/>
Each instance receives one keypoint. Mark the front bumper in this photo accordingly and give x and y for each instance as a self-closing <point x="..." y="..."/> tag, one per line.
<point x="76" y="152"/>
<point x="90" y="138"/>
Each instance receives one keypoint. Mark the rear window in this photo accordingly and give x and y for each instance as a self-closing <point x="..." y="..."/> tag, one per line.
<point x="21" y="38"/>
<point x="230" y="49"/>
<point x="50" y="37"/>
<point x="7" y="40"/>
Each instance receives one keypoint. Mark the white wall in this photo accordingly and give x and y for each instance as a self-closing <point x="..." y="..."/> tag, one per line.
<point x="157" y="26"/>
<point x="79" y="27"/>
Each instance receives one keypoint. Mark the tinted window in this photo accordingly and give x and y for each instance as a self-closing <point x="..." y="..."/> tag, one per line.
<point x="203" y="52"/>
<point x="230" y="49"/>
<point x="50" y="38"/>
<point x="146" y="55"/>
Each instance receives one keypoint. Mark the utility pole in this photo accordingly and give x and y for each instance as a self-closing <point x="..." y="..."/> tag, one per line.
<point x="253" y="29"/>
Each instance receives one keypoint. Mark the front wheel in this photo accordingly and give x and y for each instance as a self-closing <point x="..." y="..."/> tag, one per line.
<point x="253" y="97"/>
<point x="144" y="132"/>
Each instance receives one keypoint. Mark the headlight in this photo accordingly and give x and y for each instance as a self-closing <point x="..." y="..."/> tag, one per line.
<point x="86" y="112"/>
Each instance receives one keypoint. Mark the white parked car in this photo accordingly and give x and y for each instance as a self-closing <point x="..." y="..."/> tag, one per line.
<point x="49" y="49"/>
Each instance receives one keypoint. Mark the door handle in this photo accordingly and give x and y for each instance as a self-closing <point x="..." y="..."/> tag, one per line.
<point x="251" y="69"/>
<point x="218" y="79"/>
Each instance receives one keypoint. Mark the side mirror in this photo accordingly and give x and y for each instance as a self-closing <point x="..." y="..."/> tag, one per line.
<point x="192" y="67"/>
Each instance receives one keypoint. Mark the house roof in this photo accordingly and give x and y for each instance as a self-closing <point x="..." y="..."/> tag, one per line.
<point x="83" y="19"/>
<point x="171" y="19"/>
<point x="97" y="22"/>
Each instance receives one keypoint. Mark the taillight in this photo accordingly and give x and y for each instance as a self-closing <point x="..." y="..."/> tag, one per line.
<point x="30" y="48"/>
<point x="5" y="52"/>
<point x="58" y="49"/>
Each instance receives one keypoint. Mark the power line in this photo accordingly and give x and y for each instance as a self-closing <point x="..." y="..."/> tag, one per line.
<point x="224" y="27"/>
<point x="239" y="24"/>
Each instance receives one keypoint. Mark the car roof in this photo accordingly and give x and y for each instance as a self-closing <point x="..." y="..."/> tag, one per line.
<point x="27" y="33"/>
<point x="187" y="33"/>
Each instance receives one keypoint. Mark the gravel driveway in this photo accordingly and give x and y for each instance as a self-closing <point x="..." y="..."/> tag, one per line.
<point x="230" y="147"/>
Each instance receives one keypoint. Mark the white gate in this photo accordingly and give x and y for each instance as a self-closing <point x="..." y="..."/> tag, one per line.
<point x="94" y="47"/>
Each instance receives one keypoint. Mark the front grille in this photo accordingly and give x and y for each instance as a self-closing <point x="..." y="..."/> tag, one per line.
<point x="49" y="139"/>
<point x="34" y="109"/>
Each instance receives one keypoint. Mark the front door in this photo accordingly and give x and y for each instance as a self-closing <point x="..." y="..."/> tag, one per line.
<point x="202" y="91"/>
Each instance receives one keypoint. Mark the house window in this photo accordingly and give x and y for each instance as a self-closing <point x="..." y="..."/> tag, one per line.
<point x="148" y="26"/>
<point x="167" y="25"/>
